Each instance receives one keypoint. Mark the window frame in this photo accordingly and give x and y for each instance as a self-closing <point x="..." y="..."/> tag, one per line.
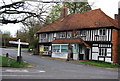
<point x="62" y="34"/>
<point x="102" y="32"/>
<point x="102" y="51"/>
<point x="60" y="49"/>
<point x="45" y="47"/>
<point x="69" y="34"/>
<point x="83" y="33"/>
<point x="56" y="49"/>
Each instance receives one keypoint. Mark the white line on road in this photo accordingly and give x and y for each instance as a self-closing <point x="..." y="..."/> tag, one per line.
<point x="42" y="71"/>
<point x="16" y="75"/>
<point x="17" y="71"/>
<point x="25" y="71"/>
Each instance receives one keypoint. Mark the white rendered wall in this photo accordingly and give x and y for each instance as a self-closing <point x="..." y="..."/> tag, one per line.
<point x="95" y="53"/>
<point x="108" y="60"/>
<point x="75" y="56"/>
<point x="60" y="55"/>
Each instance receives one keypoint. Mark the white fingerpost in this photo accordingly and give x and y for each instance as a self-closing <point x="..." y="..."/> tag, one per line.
<point x="18" y="47"/>
<point x="19" y="56"/>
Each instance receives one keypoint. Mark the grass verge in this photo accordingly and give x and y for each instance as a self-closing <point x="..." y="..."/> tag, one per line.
<point x="10" y="62"/>
<point x="100" y="64"/>
<point x="93" y="63"/>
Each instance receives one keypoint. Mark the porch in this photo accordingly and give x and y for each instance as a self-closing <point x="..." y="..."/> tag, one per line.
<point x="78" y="49"/>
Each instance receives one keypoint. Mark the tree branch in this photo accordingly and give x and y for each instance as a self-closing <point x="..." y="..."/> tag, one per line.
<point x="14" y="5"/>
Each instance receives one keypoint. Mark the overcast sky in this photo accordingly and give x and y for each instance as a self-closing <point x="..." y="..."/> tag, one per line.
<point x="110" y="7"/>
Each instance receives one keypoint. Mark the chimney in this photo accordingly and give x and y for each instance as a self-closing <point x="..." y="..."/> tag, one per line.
<point x="64" y="11"/>
<point x="116" y="16"/>
<point x="119" y="14"/>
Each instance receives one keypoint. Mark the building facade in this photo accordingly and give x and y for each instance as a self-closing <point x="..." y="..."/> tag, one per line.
<point x="90" y="35"/>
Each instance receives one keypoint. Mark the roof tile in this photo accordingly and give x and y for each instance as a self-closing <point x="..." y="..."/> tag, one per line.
<point x="90" y="19"/>
<point x="67" y="41"/>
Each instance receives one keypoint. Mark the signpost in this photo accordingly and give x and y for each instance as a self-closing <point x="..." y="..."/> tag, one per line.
<point x="19" y="56"/>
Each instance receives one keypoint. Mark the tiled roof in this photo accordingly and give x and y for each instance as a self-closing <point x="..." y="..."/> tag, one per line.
<point x="90" y="19"/>
<point x="67" y="41"/>
<point x="15" y="39"/>
<point x="55" y="26"/>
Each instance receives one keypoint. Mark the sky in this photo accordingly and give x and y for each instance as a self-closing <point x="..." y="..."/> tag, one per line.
<point x="110" y="7"/>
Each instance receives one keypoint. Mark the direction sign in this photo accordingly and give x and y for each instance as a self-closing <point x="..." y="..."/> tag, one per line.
<point x="19" y="43"/>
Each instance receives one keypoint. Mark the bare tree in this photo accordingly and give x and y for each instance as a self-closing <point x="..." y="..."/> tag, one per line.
<point x="21" y="11"/>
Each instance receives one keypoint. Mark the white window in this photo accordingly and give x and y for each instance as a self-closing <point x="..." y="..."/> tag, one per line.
<point x="60" y="48"/>
<point x="103" y="51"/>
<point x="56" y="48"/>
<point x="43" y="35"/>
<point x="96" y="32"/>
<point x="46" y="48"/>
<point x="54" y="35"/>
<point x="102" y="31"/>
<point x="64" y="48"/>
<point x="83" y="33"/>
<point x="43" y="38"/>
<point x="69" y="34"/>
<point x="75" y="34"/>
<point x="108" y="51"/>
<point x="62" y="34"/>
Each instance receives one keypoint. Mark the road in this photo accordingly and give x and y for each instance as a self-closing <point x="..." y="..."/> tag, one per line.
<point x="54" y="69"/>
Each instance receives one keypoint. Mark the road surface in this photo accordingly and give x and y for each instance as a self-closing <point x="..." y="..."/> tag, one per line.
<point x="54" y="69"/>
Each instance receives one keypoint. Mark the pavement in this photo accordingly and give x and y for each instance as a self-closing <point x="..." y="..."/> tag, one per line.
<point x="46" y="68"/>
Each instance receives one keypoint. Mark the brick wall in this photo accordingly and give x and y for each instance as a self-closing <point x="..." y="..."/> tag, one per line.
<point x="118" y="41"/>
<point x="114" y="47"/>
<point x="118" y="47"/>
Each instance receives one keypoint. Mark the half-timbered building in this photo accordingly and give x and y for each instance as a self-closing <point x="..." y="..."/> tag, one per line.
<point x="93" y="36"/>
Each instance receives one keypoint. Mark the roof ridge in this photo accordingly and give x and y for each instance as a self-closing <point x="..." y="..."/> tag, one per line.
<point x="109" y="18"/>
<point x="85" y="12"/>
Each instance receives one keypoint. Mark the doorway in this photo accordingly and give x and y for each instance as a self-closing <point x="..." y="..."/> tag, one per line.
<point x="71" y="53"/>
<point x="87" y="53"/>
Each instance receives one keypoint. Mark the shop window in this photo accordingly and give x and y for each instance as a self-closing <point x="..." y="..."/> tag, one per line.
<point x="60" y="48"/>
<point x="64" y="48"/>
<point x="56" y="48"/>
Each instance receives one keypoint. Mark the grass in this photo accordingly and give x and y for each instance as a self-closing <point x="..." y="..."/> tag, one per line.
<point x="12" y="47"/>
<point x="10" y="62"/>
<point x="93" y="63"/>
<point x="101" y="64"/>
